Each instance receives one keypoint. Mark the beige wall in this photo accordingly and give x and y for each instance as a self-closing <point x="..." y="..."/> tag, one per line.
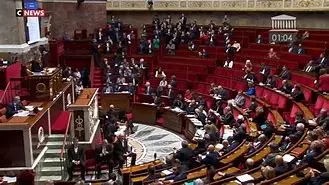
<point x="11" y="27"/>
<point x="259" y="19"/>
<point x="66" y="17"/>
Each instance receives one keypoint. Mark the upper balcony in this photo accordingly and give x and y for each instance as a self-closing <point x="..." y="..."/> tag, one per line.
<point x="219" y="5"/>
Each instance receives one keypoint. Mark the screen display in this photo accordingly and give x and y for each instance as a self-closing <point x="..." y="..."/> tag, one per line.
<point x="32" y="24"/>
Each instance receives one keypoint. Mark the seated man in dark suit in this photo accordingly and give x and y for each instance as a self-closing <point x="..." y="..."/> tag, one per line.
<point x="259" y="39"/>
<point x="104" y="156"/>
<point x="14" y="107"/>
<point x="200" y="116"/>
<point x="281" y="166"/>
<point x="148" y="89"/>
<point x="211" y="157"/>
<point x="269" y="160"/>
<point x="178" y="174"/>
<point x="297" y="94"/>
<point x="185" y="156"/>
<point x="75" y="158"/>
<point x="317" y="177"/>
<point x="36" y="66"/>
<point x="285" y="73"/>
<point x="286" y="87"/>
<point x="315" y="150"/>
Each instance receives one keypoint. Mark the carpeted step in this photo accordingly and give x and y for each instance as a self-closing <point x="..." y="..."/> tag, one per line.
<point x="60" y="124"/>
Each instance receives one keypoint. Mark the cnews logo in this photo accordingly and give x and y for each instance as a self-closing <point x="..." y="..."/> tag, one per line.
<point x="30" y="13"/>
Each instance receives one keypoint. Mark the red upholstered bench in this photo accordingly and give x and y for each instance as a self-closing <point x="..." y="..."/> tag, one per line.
<point x="307" y="79"/>
<point x="189" y="61"/>
<point x="322" y="102"/>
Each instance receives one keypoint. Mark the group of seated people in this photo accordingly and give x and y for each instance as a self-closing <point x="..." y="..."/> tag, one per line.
<point x="80" y="78"/>
<point x="212" y="145"/>
<point x="123" y="76"/>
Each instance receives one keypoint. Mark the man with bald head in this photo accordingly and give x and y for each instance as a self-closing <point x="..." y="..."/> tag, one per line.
<point x="281" y="166"/>
<point x="211" y="158"/>
<point x="14" y="107"/>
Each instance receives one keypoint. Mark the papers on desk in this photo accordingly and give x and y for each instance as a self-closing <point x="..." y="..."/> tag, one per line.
<point x="227" y="133"/>
<point x="9" y="179"/>
<point x="202" y="156"/>
<point x="196" y="122"/>
<point x="312" y="122"/>
<point x="22" y="114"/>
<point x="29" y="107"/>
<point x="245" y="178"/>
<point x="178" y="110"/>
<point x="51" y="70"/>
<point x="190" y="116"/>
<point x="288" y="158"/>
<point x="200" y="133"/>
<point x="166" y="172"/>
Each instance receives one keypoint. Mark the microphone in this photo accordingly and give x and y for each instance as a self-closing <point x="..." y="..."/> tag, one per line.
<point x="155" y="156"/>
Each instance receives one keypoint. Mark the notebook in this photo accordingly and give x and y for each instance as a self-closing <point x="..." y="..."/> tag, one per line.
<point x="245" y="178"/>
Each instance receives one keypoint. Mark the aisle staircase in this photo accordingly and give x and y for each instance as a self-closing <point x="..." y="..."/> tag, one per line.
<point x="51" y="165"/>
<point x="98" y="78"/>
<point x="98" y="81"/>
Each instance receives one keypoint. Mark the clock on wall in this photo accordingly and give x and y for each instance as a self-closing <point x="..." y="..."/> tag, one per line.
<point x="282" y="36"/>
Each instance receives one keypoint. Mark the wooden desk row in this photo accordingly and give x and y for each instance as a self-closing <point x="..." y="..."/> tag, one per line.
<point x="22" y="139"/>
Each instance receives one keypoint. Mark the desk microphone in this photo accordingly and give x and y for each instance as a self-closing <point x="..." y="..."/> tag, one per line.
<point x="155" y="156"/>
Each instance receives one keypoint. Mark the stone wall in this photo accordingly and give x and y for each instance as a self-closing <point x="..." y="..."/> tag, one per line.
<point x="11" y="27"/>
<point x="67" y="18"/>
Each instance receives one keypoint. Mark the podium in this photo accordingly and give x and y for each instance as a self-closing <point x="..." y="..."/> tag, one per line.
<point x="85" y="121"/>
<point x="45" y="85"/>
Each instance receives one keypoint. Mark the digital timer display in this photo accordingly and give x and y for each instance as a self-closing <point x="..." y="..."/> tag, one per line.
<point x="277" y="37"/>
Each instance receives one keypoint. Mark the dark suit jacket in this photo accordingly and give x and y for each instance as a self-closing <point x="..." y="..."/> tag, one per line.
<point x="180" y="176"/>
<point x="285" y="75"/>
<point x="281" y="169"/>
<point x="13" y="108"/>
<point x="201" y="117"/>
<point x="228" y="119"/>
<point x="266" y="70"/>
<point x="171" y="95"/>
<point x="185" y="155"/>
<point x="118" y="150"/>
<point x="320" y="179"/>
<point x="259" y="40"/>
<point x="148" y="92"/>
<point x="173" y="83"/>
<point x="298" y="96"/>
<point x="36" y="67"/>
<point x="286" y="88"/>
<point x="79" y="156"/>
<point x="210" y="159"/>
<point x="99" y="151"/>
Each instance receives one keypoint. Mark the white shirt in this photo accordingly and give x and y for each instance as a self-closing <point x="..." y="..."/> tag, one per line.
<point x="228" y="64"/>
<point x="163" y="83"/>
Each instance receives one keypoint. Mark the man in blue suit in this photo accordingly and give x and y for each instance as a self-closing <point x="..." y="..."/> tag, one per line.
<point x="211" y="157"/>
<point x="14" y="107"/>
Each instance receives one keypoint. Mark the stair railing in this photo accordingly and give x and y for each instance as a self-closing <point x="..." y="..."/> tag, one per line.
<point x="92" y="71"/>
<point x="66" y="141"/>
<point x="7" y="95"/>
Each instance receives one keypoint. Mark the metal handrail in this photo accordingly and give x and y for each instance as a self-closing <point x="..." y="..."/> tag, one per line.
<point x="5" y="92"/>
<point x="64" y="145"/>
